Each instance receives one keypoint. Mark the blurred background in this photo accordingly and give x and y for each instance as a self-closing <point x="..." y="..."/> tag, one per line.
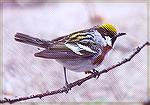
<point x="24" y="74"/>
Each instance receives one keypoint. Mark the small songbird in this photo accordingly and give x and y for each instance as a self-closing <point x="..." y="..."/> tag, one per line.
<point x="81" y="51"/>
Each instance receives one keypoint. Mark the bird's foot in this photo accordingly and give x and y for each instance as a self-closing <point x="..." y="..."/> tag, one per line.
<point x="95" y="72"/>
<point x="88" y="72"/>
<point x="67" y="87"/>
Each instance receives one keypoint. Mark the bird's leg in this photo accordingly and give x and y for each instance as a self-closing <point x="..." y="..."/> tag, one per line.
<point x="66" y="81"/>
<point x="65" y="74"/>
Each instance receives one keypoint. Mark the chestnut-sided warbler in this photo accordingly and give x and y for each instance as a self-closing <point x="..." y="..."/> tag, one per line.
<point x="81" y="51"/>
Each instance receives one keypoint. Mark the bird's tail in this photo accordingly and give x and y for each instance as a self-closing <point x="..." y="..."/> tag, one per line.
<point x="31" y="40"/>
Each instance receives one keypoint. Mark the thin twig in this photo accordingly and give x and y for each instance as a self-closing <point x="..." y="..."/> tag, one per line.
<point x="76" y="83"/>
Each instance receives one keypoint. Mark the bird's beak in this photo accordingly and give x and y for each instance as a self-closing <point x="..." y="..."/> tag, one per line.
<point x="119" y="34"/>
<point x="115" y="37"/>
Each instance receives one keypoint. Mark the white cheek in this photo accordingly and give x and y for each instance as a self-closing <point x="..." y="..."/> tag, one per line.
<point x="108" y="40"/>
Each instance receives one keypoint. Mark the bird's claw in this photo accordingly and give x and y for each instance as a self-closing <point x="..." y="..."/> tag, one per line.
<point x="67" y="88"/>
<point x="95" y="72"/>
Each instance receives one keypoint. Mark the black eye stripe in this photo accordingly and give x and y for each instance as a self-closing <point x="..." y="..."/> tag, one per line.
<point x="107" y="30"/>
<point x="101" y="30"/>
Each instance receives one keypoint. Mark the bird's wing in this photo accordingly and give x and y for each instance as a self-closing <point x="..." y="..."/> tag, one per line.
<point x="81" y="42"/>
<point x="60" y="51"/>
<point x="70" y="46"/>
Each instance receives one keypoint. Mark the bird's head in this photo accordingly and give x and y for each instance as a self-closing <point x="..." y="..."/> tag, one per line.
<point x="109" y="33"/>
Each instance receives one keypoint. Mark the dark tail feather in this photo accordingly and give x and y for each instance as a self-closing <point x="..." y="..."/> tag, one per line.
<point x="31" y="40"/>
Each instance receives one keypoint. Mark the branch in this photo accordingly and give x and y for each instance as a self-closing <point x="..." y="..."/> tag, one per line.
<point x="76" y="83"/>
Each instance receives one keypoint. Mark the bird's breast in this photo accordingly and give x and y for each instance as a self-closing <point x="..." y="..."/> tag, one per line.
<point x="98" y="60"/>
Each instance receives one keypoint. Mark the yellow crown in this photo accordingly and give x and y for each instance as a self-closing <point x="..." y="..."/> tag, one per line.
<point x="109" y="27"/>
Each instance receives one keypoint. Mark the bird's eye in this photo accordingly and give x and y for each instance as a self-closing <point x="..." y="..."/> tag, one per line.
<point x="105" y="34"/>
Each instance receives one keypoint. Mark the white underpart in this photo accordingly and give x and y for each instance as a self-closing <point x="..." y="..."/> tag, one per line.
<point x="108" y="40"/>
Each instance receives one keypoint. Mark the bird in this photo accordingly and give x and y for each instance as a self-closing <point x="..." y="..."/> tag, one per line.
<point x="80" y="51"/>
